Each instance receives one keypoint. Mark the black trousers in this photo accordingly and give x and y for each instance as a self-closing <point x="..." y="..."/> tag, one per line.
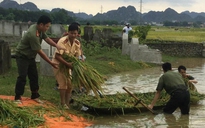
<point x="179" y="98"/>
<point x="26" y="67"/>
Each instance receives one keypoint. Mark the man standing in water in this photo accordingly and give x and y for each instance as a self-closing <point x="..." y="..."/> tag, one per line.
<point x="174" y="85"/>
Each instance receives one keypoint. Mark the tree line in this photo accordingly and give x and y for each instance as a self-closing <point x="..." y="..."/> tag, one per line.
<point x="183" y="24"/>
<point x="60" y="17"/>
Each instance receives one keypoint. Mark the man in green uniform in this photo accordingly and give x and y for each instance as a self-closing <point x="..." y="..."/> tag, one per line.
<point x="174" y="85"/>
<point x="26" y="52"/>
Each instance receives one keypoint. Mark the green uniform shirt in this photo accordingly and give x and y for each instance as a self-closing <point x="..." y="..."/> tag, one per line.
<point x="171" y="81"/>
<point x="30" y="43"/>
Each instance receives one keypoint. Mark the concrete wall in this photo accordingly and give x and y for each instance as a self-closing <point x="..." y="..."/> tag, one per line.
<point x="178" y="48"/>
<point x="1" y="28"/>
<point x="46" y="68"/>
<point x="5" y="57"/>
<point x="138" y="52"/>
<point x="57" y="30"/>
<point x="11" y="31"/>
<point x="11" y="28"/>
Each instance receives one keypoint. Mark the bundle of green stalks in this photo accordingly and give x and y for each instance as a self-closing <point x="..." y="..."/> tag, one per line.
<point x="20" y="117"/>
<point x="83" y="75"/>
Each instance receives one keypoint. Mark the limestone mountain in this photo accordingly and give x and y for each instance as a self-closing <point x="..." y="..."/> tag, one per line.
<point x="194" y="14"/>
<point x="9" y="4"/>
<point x="121" y="15"/>
<point x="167" y="15"/>
<point x="70" y="13"/>
<point x="200" y="18"/>
<point x="29" y="6"/>
<point x="83" y="15"/>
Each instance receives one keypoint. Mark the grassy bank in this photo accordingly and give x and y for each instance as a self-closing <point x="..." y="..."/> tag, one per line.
<point x="107" y="61"/>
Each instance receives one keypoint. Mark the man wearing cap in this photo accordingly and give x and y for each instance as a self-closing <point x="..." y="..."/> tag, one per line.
<point x="127" y="28"/>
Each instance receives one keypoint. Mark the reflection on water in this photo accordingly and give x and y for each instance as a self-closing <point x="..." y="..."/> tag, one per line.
<point x="138" y="81"/>
<point x="145" y="80"/>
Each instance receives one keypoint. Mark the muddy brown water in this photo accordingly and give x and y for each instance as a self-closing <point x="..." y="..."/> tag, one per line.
<point x="145" y="80"/>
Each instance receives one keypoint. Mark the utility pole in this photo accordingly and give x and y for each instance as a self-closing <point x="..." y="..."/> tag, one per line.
<point x="140" y="17"/>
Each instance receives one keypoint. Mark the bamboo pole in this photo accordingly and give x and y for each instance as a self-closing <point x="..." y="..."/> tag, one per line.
<point x="139" y="100"/>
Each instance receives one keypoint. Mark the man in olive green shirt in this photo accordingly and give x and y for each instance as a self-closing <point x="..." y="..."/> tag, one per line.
<point x="174" y="85"/>
<point x="26" y="52"/>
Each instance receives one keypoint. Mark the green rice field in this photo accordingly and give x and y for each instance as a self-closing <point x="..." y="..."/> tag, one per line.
<point x="196" y="35"/>
<point x="186" y="34"/>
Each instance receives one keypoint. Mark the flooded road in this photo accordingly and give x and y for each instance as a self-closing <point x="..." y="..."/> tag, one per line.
<point x="145" y="80"/>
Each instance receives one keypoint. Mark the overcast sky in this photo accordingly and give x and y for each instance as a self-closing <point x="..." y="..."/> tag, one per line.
<point x="94" y="6"/>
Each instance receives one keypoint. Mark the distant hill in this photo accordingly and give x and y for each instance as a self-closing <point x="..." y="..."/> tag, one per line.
<point x="69" y="12"/>
<point x="168" y="15"/>
<point x="194" y="14"/>
<point x="122" y="14"/>
<point x="83" y="15"/>
<point x="29" y="6"/>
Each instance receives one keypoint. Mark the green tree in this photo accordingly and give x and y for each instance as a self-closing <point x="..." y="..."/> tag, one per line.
<point x="2" y="11"/>
<point x="61" y="17"/>
<point x="10" y="16"/>
<point x="141" y="32"/>
<point x="168" y="23"/>
<point x="1" y="17"/>
<point x="185" y="24"/>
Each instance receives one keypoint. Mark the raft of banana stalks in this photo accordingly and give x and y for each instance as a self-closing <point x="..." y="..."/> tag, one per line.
<point x="83" y="75"/>
<point x="122" y="103"/>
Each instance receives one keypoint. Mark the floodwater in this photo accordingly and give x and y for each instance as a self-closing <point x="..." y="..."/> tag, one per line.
<point x="145" y="80"/>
